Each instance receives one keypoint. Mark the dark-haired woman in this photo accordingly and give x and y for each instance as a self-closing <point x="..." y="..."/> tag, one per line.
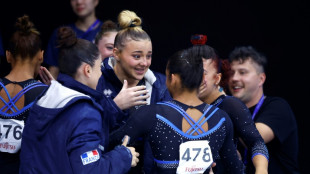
<point x="18" y="90"/>
<point x="185" y="134"/>
<point x="67" y="128"/>
<point x="216" y="74"/>
<point x="105" y="38"/>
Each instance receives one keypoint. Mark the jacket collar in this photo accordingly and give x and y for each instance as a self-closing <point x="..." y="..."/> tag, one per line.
<point x="69" y="82"/>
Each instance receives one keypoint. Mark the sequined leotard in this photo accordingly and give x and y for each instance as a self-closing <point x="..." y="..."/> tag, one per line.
<point x="161" y="124"/>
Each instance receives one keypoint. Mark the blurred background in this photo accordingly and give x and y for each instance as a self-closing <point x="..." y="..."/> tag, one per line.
<point x="279" y="29"/>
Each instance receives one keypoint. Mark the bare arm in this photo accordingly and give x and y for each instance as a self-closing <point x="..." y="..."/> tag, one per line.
<point x="265" y="131"/>
<point x="260" y="163"/>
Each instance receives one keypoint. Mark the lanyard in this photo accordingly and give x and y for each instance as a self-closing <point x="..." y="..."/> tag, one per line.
<point x="90" y="28"/>
<point x="259" y="104"/>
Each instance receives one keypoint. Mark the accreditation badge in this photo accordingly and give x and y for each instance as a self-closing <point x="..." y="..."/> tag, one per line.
<point x="195" y="157"/>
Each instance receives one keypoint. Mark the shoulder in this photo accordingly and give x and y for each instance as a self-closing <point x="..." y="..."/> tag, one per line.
<point x="275" y="108"/>
<point x="107" y="64"/>
<point x="222" y="113"/>
<point x="161" y="77"/>
<point x="217" y="113"/>
<point x="83" y="108"/>
<point x="276" y="103"/>
<point x="157" y="79"/>
<point x="222" y="116"/>
<point x="276" y="100"/>
<point x="233" y="104"/>
<point x="151" y="109"/>
<point x="233" y="100"/>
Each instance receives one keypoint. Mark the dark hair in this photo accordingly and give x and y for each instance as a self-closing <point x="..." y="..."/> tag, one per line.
<point x="221" y="65"/>
<point x="25" y="41"/>
<point x="73" y="51"/>
<point x="244" y="53"/>
<point x="107" y="26"/>
<point x="131" y="29"/>
<point x="189" y="66"/>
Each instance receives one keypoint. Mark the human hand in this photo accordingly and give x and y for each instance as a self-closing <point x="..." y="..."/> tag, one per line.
<point x="45" y="75"/>
<point x="134" y="154"/>
<point x="202" y="88"/>
<point x="239" y="155"/>
<point x="212" y="165"/>
<point x="129" y="97"/>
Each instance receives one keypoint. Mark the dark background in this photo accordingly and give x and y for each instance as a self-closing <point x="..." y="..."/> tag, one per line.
<point x="278" y="29"/>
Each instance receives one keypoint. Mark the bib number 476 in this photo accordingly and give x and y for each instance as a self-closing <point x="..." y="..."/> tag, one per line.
<point x="6" y="129"/>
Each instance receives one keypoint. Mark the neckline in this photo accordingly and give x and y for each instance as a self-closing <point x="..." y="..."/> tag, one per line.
<point x="218" y="100"/>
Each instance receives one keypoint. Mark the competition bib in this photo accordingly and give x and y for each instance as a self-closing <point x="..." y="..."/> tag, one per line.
<point x="10" y="135"/>
<point x="195" y="157"/>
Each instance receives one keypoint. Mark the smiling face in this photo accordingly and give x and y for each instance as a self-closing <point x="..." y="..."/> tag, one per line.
<point x="133" y="60"/>
<point x="83" y="8"/>
<point x="246" y="81"/>
<point x="106" y="44"/>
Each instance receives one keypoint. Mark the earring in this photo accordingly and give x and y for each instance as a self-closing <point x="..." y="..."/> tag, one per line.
<point x="220" y="89"/>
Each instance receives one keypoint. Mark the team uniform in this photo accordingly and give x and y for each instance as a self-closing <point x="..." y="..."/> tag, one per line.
<point x="67" y="132"/>
<point x="161" y="125"/>
<point x="12" y="121"/>
<point x="51" y="54"/>
<point x="283" y="149"/>
<point x="110" y="86"/>
<point x="244" y="127"/>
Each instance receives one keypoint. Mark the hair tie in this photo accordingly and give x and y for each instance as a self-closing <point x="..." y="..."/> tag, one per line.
<point x="132" y="24"/>
<point x="199" y="39"/>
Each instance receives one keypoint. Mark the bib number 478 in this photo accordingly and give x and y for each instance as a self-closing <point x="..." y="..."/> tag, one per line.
<point x="195" y="157"/>
<point x="195" y="152"/>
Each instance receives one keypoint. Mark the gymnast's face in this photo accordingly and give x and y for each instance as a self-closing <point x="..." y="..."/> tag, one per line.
<point x="106" y="44"/>
<point x="134" y="59"/>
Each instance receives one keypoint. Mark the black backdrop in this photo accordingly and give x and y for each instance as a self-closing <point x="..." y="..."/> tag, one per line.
<point x="278" y="29"/>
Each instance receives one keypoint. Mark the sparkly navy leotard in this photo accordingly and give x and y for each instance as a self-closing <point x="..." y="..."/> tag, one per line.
<point x="161" y="124"/>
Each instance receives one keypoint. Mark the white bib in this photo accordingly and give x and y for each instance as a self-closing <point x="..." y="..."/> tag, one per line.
<point x="10" y="135"/>
<point x="195" y="157"/>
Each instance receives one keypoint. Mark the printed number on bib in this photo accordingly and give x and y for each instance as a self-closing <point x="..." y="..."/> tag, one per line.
<point x="195" y="157"/>
<point x="10" y="135"/>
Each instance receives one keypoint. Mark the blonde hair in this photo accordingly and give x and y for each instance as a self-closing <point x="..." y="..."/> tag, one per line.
<point x="131" y="29"/>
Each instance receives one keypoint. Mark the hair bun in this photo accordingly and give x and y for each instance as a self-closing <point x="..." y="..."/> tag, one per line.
<point x="66" y="37"/>
<point x="128" y="18"/>
<point x="199" y="39"/>
<point x="24" y="25"/>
